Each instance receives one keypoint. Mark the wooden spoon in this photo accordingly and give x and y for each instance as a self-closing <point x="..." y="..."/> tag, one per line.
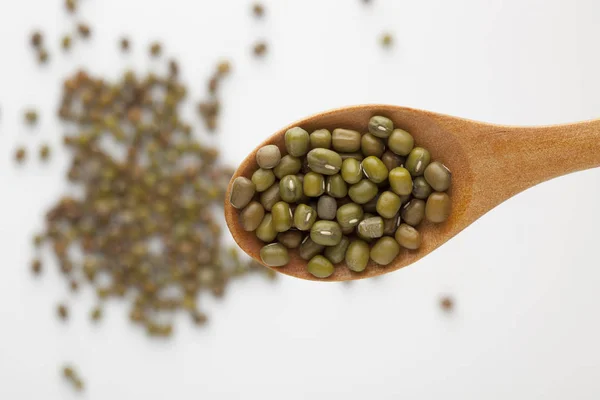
<point x="489" y="164"/>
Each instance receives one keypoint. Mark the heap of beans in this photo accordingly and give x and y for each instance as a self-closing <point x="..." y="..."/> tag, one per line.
<point x="342" y="196"/>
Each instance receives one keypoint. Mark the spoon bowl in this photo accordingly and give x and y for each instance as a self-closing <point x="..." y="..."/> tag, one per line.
<point x="489" y="164"/>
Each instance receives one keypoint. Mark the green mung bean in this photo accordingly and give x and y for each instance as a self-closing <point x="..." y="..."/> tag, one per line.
<point x="263" y="179"/>
<point x="345" y="140"/>
<point x="268" y="156"/>
<point x="324" y="161"/>
<point x="251" y="216"/>
<point x="320" y="267"/>
<point x="438" y="207"/>
<point x="242" y="192"/>
<point x="357" y="255"/>
<point x="321" y="138"/>
<point x="288" y="165"/>
<point x="388" y="204"/>
<point x="408" y="237"/>
<point x="282" y="216"/>
<point x="438" y="176"/>
<point x="266" y="231"/>
<point x="297" y="141"/>
<point x="401" y="181"/>
<point x="401" y="142"/>
<point x="304" y="217"/>
<point x="290" y="188"/>
<point x="336" y="186"/>
<point x="385" y="250"/>
<point x="274" y="255"/>
<point x="413" y="212"/>
<point x="314" y="184"/>
<point x="381" y="127"/>
<point x="351" y="171"/>
<point x="421" y="189"/>
<point x="349" y="215"/>
<point x="327" y="208"/>
<point x="326" y="233"/>
<point x="371" y="228"/>
<point x="374" y="169"/>
<point x="371" y="145"/>
<point x="362" y="191"/>
<point x="417" y="160"/>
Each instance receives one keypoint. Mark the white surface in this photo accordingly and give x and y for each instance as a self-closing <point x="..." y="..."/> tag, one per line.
<point x="525" y="276"/>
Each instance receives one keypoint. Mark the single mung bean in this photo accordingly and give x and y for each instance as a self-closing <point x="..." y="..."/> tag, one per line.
<point x="351" y="171"/>
<point x="417" y="161"/>
<point x="259" y="49"/>
<point x="263" y="179"/>
<point x="358" y="156"/>
<point x="314" y="184"/>
<point x="345" y="140"/>
<point x="266" y="231"/>
<point x="421" y="189"/>
<point x="408" y="237"/>
<point x="336" y="186"/>
<point x="268" y="156"/>
<point x="242" y="192"/>
<point x="320" y="267"/>
<point x="327" y="208"/>
<point x="371" y="228"/>
<point x="308" y="249"/>
<point x="336" y="253"/>
<point x="324" y="161"/>
<point x="381" y="127"/>
<point x="363" y="191"/>
<point x="288" y="165"/>
<point x="401" y="181"/>
<point x="390" y="225"/>
<point x="371" y="145"/>
<point x="282" y="216"/>
<point x="297" y="141"/>
<point x="251" y="216"/>
<point x="385" y="250"/>
<point x="374" y="169"/>
<point x="391" y="160"/>
<point x="258" y="10"/>
<point x="413" y="212"/>
<point x="36" y="39"/>
<point x="357" y="255"/>
<point x="401" y="142"/>
<point x="438" y="207"/>
<point x="274" y="255"/>
<point x="269" y="197"/>
<point x="349" y="215"/>
<point x="290" y="188"/>
<point x="304" y="217"/>
<point x="326" y="233"/>
<point x="388" y="204"/>
<point x="290" y="239"/>
<point x="321" y="138"/>
<point x="438" y="176"/>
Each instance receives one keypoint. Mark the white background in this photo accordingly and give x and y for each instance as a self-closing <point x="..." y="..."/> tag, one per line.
<point x="525" y="276"/>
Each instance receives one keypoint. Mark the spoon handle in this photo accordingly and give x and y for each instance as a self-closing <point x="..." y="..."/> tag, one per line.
<point x="507" y="160"/>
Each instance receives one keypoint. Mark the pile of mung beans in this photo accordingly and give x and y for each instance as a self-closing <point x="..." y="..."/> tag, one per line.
<point x="342" y="196"/>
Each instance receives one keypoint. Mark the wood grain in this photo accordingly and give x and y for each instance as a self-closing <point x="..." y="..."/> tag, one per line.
<point x="489" y="164"/>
